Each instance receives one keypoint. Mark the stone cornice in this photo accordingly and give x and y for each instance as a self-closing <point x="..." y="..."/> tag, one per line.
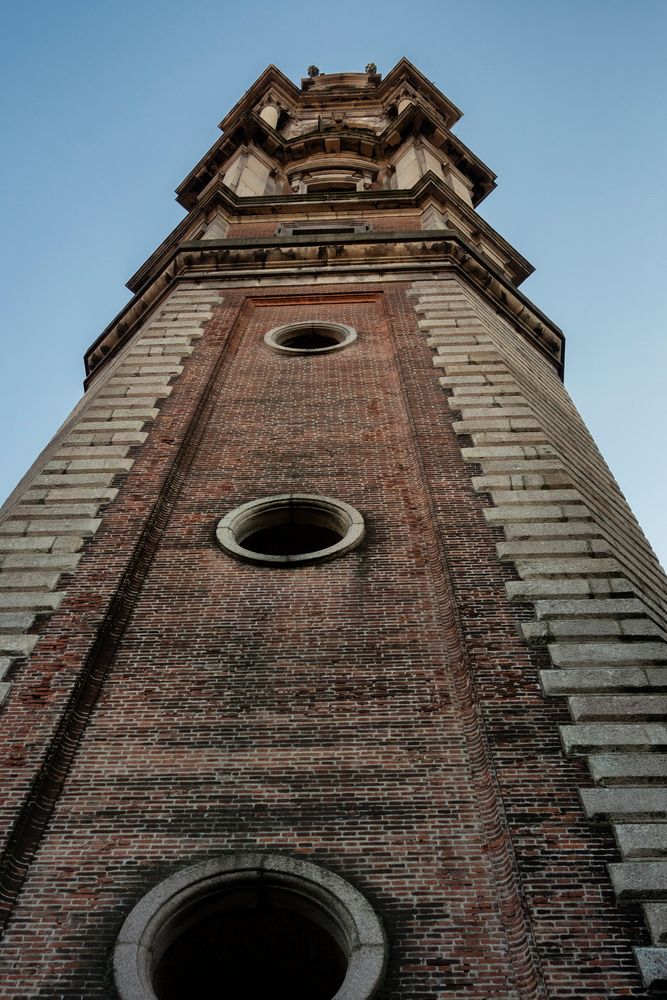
<point x="404" y="71"/>
<point x="359" y="202"/>
<point x="418" y="120"/>
<point x="271" y="78"/>
<point x="391" y="254"/>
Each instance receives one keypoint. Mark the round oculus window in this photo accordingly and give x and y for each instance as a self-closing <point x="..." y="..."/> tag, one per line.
<point x="251" y="925"/>
<point x="290" y="529"/>
<point x="310" y="337"/>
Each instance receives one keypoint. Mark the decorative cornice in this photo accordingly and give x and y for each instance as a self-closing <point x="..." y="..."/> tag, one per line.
<point x="417" y="119"/>
<point x="397" y="253"/>
<point x="429" y="109"/>
<point x="405" y="71"/>
<point x="271" y="78"/>
<point x="359" y="202"/>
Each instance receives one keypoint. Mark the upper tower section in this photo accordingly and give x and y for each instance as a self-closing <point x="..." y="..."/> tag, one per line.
<point x="346" y="173"/>
<point x="340" y="132"/>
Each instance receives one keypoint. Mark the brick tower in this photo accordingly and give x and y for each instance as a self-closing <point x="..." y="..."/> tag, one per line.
<point x="332" y="656"/>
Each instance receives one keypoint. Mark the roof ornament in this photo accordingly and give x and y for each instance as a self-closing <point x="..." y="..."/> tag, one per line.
<point x="371" y="69"/>
<point x="313" y="71"/>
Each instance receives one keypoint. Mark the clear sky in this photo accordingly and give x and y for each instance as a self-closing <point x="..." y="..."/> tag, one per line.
<point x="105" y="107"/>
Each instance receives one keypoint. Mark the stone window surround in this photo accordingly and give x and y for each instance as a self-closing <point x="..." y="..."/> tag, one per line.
<point x="323" y="228"/>
<point x="278" y="338"/>
<point x="354" y="171"/>
<point x="268" y="511"/>
<point x="331" y="179"/>
<point x="342" y="911"/>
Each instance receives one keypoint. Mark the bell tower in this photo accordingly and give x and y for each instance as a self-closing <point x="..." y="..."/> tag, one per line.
<point x="333" y="659"/>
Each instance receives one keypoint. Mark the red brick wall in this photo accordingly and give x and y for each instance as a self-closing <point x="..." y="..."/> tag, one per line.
<point x="386" y="223"/>
<point x="377" y="714"/>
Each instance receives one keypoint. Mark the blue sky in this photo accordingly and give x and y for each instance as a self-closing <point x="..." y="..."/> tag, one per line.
<point x="105" y="106"/>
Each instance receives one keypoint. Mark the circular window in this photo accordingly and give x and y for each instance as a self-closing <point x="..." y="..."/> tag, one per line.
<point x="251" y="926"/>
<point x="290" y="529"/>
<point x="310" y="338"/>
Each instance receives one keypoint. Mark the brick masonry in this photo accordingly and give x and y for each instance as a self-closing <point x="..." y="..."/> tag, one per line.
<point x="57" y="506"/>
<point x="381" y="223"/>
<point x="598" y="593"/>
<point x="378" y="714"/>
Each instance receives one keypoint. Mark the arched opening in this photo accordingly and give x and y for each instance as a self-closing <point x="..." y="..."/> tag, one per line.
<point x="310" y="337"/>
<point x="252" y="943"/>
<point x="253" y="926"/>
<point x="290" y="528"/>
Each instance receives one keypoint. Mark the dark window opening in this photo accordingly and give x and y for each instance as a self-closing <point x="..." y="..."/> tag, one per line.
<point x="291" y="539"/>
<point x="254" y="946"/>
<point x="331" y="186"/>
<point x="309" y="340"/>
<point x="346" y="228"/>
<point x="290" y="529"/>
<point x="328" y="231"/>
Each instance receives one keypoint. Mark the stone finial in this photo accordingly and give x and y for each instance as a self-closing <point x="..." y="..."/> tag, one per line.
<point x="313" y="71"/>
<point x="371" y="69"/>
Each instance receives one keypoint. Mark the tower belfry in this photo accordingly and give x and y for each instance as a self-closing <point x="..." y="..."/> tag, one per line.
<point x="333" y="660"/>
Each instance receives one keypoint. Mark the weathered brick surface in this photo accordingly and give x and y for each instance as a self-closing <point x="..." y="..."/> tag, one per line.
<point x="379" y="714"/>
<point x="381" y="223"/>
<point x="530" y="495"/>
<point x="42" y="519"/>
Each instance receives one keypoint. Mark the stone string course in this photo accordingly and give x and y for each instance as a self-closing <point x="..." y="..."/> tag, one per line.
<point x="600" y="616"/>
<point x="45" y="524"/>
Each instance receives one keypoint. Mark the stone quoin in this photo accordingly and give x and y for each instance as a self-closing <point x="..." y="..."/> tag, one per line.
<point x="333" y="660"/>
